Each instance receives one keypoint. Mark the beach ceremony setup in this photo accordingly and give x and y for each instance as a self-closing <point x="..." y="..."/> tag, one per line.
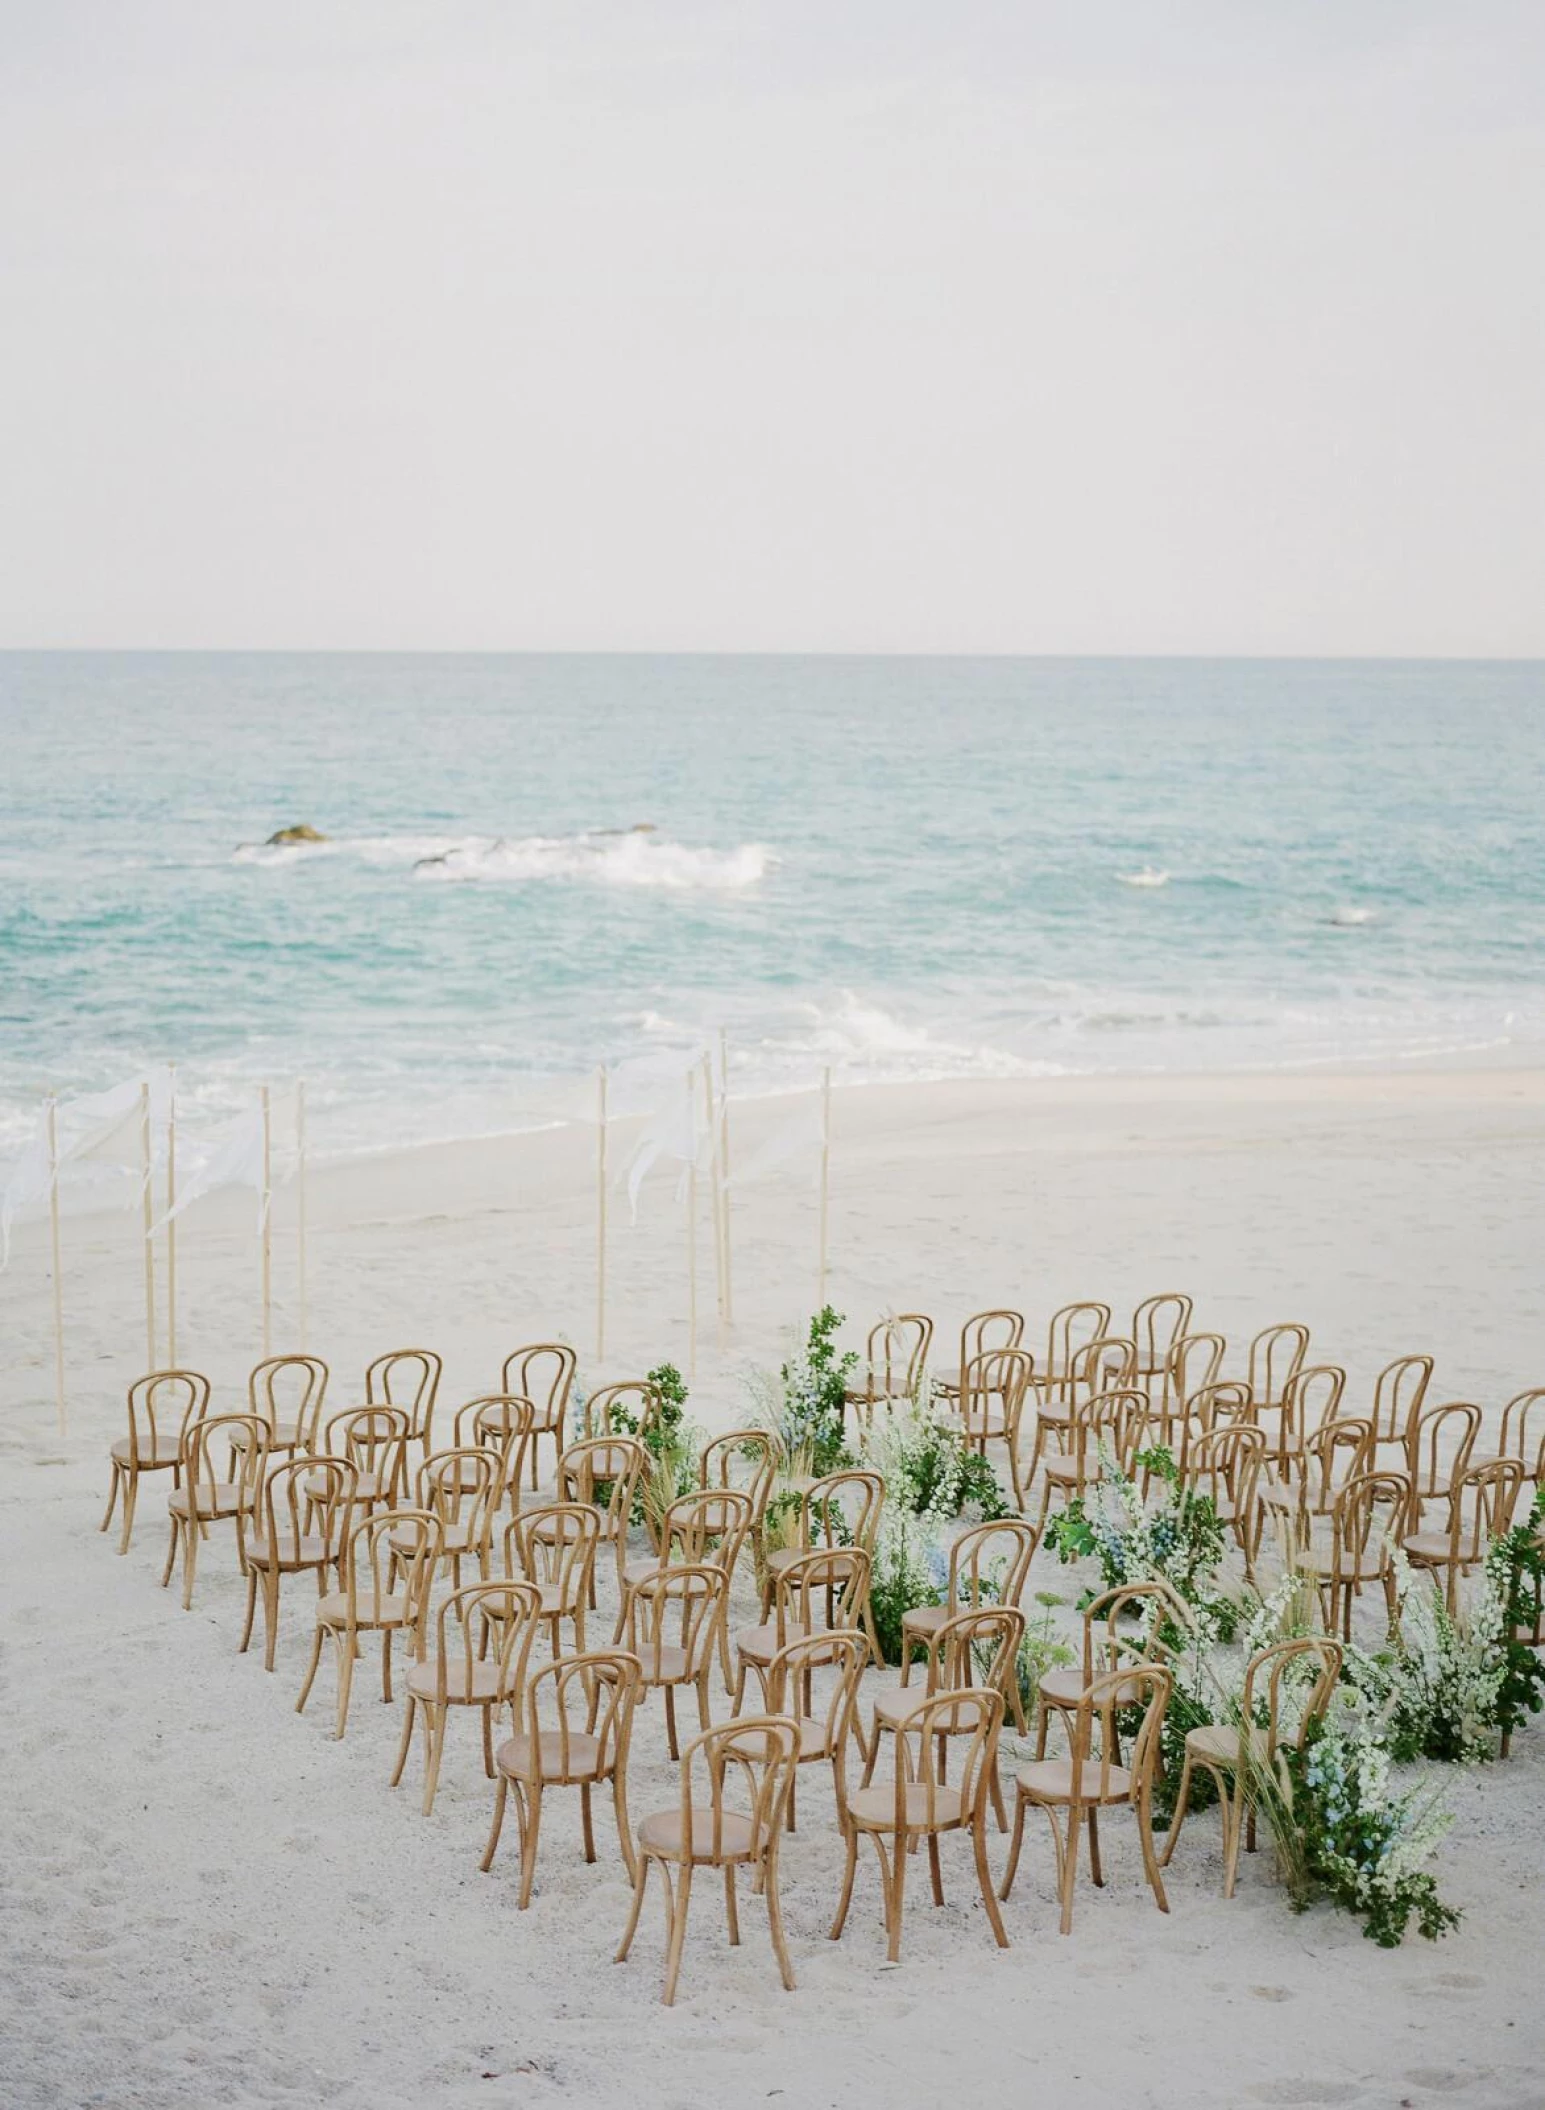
<point x="772" y="1056"/>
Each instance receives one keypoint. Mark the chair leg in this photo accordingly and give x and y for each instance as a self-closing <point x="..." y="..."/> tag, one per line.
<point x="171" y="1555"/>
<point x="1015" y="1844"/>
<point x="624" y="1839"/>
<point x="1178" y="1816"/>
<point x="1068" y="1872"/>
<point x="731" y="1908"/>
<point x="984" y="1880"/>
<point x="501" y="1796"/>
<point x="995" y="1789"/>
<point x="409" y="1715"/>
<point x="270" y="1616"/>
<point x="438" y="1720"/>
<point x="246" y="1632"/>
<point x="488" y="1740"/>
<point x="529" y="1808"/>
<point x="640" y="1884"/>
<point x="346" y="1646"/>
<point x="1094" y="1848"/>
<point x="1233" y="1828"/>
<point x="895" y="1895"/>
<point x="935" y="1873"/>
<point x="112" y="1497"/>
<point x="670" y="1721"/>
<point x="775" y="1919"/>
<point x="1150" y="1862"/>
<point x="678" y="1938"/>
<point x="386" y="1665"/>
<point x="189" y="1567"/>
<point x="317" y="1640"/>
<point x="846" y="1899"/>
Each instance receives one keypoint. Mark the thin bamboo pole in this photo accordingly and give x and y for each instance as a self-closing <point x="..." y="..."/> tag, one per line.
<point x="691" y="1247"/>
<point x="600" y="1212"/>
<point x="171" y="1221"/>
<point x="265" y="1225"/>
<point x="300" y="1203"/>
<point x="826" y="1166"/>
<point x="147" y="1213"/>
<point x="724" y="1172"/>
<point x="716" y="1188"/>
<point x="53" y="1233"/>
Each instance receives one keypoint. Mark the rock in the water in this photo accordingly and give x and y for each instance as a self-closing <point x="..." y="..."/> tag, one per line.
<point x="303" y="833"/>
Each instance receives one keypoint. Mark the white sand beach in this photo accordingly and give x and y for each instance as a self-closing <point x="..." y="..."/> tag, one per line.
<point x="207" y="1900"/>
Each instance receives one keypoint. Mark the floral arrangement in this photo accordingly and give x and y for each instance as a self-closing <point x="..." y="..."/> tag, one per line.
<point x="928" y="1471"/>
<point x="805" y="1402"/>
<point x="1169" y="1534"/>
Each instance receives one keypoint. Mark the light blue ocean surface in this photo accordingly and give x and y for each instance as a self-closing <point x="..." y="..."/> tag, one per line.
<point x="904" y="868"/>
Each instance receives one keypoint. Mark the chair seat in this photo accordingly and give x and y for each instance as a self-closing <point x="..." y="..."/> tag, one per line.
<point x="1065" y="1688"/>
<point x="457" y="1538"/>
<point x="1064" y="1472"/>
<point x="874" y="1809"/>
<point x="982" y="1426"/>
<point x="666" y="1666"/>
<point x="759" y="1644"/>
<point x="1051" y="1780"/>
<point x="662" y="1834"/>
<point x="1433" y="1549"/>
<point x="814" y="1741"/>
<point x="367" y="1488"/>
<point x="514" y="1756"/>
<point x="283" y="1436"/>
<point x="293" y="1553"/>
<point x="387" y="1611"/>
<point x="148" y="1461"/>
<point x="224" y="1499"/>
<point x="926" y="1618"/>
<point x="1218" y="1744"/>
<point x="486" y="1683"/>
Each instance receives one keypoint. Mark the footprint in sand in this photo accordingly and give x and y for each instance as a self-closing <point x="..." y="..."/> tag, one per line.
<point x="1304" y="2091"/>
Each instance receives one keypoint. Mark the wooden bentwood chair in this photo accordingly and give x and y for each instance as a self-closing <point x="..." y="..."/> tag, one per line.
<point x="758" y="1755"/>
<point x="476" y="1662"/>
<point x="388" y="1570"/>
<point x="152" y="1445"/>
<point x="300" y="1528"/>
<point x="202" y="1498"/>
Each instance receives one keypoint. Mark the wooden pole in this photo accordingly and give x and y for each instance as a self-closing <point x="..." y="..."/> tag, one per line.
<point x="600" y="1212"/>
<point x="724" y="1172"/>
<point x="717" y="1189"/>
<point x="147" y="1213"/>
<point x="265" y="1228"/>
<point x="53" y="1232"/>
<point x="691" y="1247"/>
<point x="171" y="1221"/>
<point x="826" y="1165"/>
<point x="300" y="1202"/>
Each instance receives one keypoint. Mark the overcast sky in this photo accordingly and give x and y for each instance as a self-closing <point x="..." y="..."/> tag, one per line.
<point x="910" y="325"/>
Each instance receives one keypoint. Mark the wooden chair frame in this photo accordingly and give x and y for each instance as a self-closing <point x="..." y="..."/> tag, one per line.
<point x="297" y="1431"/>
<point x="971" y="1581"/>
<point x="615" y="1463"/>
<point x="554" y="1547"/>
<point x="549" y="1751"/>
<point x="978" y="1336"/>
<point x="526" y="1375"/>
<point x="1481" y="1501"/>
<point x="1431" y="1472"/>
<point x="147" y="1448"/>
<point x="1359" y="1546"/>
<point x="834" y="1579"/>
<point x="302" y="1517"/>
<point x="1157" y="1324"/>
<point x="671" y="1621"/>
<point x="408" y="1378"/>
<point x="201" y="1498"/>
<point x="484" y="1666"/>
<point x="389" y="1562"/>
<point x="374" y="1441"/>
<point x="1004" y="1375"/>
<point x="823" y="1732"/>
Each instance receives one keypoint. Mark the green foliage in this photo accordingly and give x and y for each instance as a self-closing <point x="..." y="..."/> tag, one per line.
<point x="1517" y="1568"/>
<point x="671" y="1441"/>
<point x="813" y="1382"/>
<point x="1169" y="1535"/>
<point x="905" y="1576"/>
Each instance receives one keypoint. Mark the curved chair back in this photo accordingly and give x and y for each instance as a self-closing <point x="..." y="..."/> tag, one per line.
<point x="374" y="1440"/>
<point x="590" y="1697"/>
<point x="1438" y="1447"/>
<point x="408" y="1378"/>
<point x="543" y="1372"/>
<point x="1157" y="1324"/>
<point x="163" y="1406"/>
<point x="1398" y="1396"/>
<point x="1070" y="1328"/>
<point x="307" y="1498"/>
<point x="990" y="1563"/>
<point x="286" y="1392"/>
<point x="1276" y="1356"/>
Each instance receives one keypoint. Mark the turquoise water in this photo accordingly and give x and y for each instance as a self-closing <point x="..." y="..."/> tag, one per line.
<point x="905" y="868"/>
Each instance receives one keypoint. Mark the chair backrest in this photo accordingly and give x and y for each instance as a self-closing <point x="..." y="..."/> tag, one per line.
<point x="990" y="1563"/>
<point x="392" y="1554"/>
<point x="741" y="1769"/>
<point x="1157" y="1324"/>
<point x="288" y="1389"/>
<point x="1104" y="1418"/>
<point x="1335" y="1452"/>
<point x="1481" y="1502"/>
<point x="1069" y="1329"/>
<point x="604" y="1471"/>
<point x="986" y="1330"/>
<point x="1276" y="1355"/>
<point x="554" y="1546"/>
<point x="203" y="1468"/>
<point x="839" y="1655"/>
<point x="1278" y="1668"/>
<point x="593" y="1696"/>
<point x="711" y="1524"/>
<point x="502" y="1422"/>
<point x="627" y="1409"/>
<point x="1194" y="1363"/>
<point x="1108" y="1645"/>
<point x="979" y="1647"/>
<point x="463" y="1488"/>
<point x="1311" y="1397"/>
<point x="164" y="1404"/>
<point x="374" y="1440"/>
<point x="963" y="1721"/>
<point x="670" y="1610"/>
<point x="310" y="1498"/>
<point x="1523" y="1415"/>
<point x="1000" y="1375"/>
<point x="1372" y="1510"/>
<point x="482" y="1623"/>
<point x="849" y="1502"/>
<point x="1438" y="1446"/>
<point x="745" y="1458"/>
<point x="897" y="1353"/>
<point x="828" y="1587"/>
<point x="408" y="1378"/>
<point x="1096" y="1734"/>
<point x="1217" y="1405"/>
<point x="542" y="1372"/>
<point x="1108" y="1363"/>
<point x="1225" y="1464"/>
<point x="1398" y="1396"/>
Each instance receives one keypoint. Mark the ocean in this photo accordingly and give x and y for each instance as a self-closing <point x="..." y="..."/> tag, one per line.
<point x="901" y="868"/>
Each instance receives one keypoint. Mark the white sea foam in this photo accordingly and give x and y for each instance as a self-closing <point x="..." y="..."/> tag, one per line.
<point x="1346" y="918"/>
<point x="631" y="858"/>
<point x="1148" y="876"/>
